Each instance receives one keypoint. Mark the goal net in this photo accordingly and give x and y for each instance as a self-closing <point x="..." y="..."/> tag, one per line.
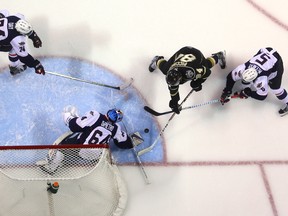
<point x="89" y="183"/>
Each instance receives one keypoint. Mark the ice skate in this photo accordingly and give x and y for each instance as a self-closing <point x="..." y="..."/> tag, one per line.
<point x="221" y="59"/>
<point x="47" y="169"/>
<point x="153" y="64"/>
<point x="42" y="162"/>
<point x="18" y="69"/>
<point x="283" y="111"/>
<point x="51" y="164"/>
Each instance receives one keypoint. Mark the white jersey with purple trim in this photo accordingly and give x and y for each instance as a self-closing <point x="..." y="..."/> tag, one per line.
<point x="96" y="129"/>
<point x="264" y="62"/>
<point x="8" y="34"/>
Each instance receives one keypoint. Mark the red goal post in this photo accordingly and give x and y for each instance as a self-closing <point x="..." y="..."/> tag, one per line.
<point x="89" y="183"/>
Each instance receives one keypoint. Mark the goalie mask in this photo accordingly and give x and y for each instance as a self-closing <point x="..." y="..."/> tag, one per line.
<point x="23" y="27"/>
<point x="249" y="74"/>
<point x="173" y="77"/>
<point x="115" y="115"/>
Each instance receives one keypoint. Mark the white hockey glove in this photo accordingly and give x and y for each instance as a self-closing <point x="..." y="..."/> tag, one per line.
<point x="69" y="112"/>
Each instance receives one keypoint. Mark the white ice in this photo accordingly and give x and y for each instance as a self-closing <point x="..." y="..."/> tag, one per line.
<point x="220" y="160"/>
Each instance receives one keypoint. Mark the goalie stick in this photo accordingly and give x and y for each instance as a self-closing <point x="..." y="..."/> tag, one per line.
<point x="121" y="87"/>
<point x="149" y="148"/>
<point x="155" y="113"/>
<point x="137" y="139"/>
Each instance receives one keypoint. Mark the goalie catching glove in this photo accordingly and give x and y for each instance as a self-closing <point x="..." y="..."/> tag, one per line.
<point x="69" y="112"/>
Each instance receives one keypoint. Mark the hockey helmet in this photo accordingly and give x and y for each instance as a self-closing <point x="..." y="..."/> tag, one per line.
<point x="249" y="74"/>
<point x="173" y="77"/>
<point x="23" y="27"/>
<point x="115" y="115"/>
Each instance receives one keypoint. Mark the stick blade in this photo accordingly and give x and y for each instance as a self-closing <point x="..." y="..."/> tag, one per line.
<point x="144" y="151"/>
<point x="126" y="85"/>
<point x="151" y="111"/>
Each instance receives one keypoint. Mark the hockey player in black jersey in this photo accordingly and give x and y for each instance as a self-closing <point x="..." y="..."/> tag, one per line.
<point x="187" y="64"/>
<point x="92" y="128"/>
<point x="13" y="32"/>
<point x="259" y="74"/>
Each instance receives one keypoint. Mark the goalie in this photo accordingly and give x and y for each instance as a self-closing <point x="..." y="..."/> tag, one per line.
<point x="93" y="128"/>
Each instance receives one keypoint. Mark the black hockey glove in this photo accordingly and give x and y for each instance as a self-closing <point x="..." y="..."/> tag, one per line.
<point x="39" y="69"/>
<point x="36" y="40"/>
<point x="225" y="97"/>
<point x="173" y="104"/>
<point x="243" y="94"/>
<point x="196" y="85"/>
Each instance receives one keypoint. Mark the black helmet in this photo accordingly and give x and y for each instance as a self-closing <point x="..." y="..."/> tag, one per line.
<point x="173" y="77"/>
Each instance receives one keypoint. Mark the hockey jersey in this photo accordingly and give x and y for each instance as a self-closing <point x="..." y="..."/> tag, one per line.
<point x="95" y="128"/>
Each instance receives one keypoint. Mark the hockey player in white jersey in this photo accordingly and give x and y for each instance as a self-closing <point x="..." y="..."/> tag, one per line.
<point x="13" y="32"/>
<point x="93" y="128"/>
<point x="263" y="72"/>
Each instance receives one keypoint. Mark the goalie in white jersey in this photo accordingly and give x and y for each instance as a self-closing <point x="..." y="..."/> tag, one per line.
<point x="93" y="128"/>
<point x="13" y="32"/>
<point x="263" y="72"/>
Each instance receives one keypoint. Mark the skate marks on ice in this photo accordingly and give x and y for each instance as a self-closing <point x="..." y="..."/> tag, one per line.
<point x="31" y="104"/>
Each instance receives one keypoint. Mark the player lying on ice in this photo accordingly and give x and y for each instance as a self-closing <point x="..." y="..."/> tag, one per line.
<point x="93" y="128"/>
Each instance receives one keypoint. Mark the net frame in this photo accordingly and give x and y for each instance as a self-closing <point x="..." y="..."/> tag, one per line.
<point x="103" y="166"/>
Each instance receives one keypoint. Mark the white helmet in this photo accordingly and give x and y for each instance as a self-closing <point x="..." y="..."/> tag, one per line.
<point x="249" y="74"/>
<point x="23" y="27"/>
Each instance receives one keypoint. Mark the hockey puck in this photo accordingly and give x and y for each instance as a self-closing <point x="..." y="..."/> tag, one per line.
<point x="146" y="130"/>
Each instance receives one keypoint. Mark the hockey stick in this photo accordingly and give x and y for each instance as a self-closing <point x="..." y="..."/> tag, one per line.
<point x="145" y="176"/>
<point x="149" y="148"/>
<point x="155" y="113"/>
<point x="121" y="87"/>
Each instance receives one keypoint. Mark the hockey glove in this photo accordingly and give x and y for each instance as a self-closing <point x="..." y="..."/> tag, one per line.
<point x="36" y="40"/>
<point x="174" y="106"/>
<point x="39" y="69"/>
<point x="225" y="97"/>
<point x="69" y="112"/>
<point x="243" y="94"/>
<point x="196" y="85"/>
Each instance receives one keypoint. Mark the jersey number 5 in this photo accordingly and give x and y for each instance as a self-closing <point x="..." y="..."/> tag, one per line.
<point x="263" y="59"/>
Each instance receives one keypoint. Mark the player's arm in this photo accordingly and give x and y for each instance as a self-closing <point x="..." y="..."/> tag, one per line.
<point x="202" y="73"/>
<point x="173" y="103"/>
<point x="227" y="91"/>
<point x="121" y="139"/>
<point x="262" y="88"/>
<point x="35" y="39"/>
<point x="19" y="45"/>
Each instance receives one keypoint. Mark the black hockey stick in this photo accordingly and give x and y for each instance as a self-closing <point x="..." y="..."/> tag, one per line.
<point x="149" y="148"/>
<point x="155" y="113"/>
<point x="125" y="85"/>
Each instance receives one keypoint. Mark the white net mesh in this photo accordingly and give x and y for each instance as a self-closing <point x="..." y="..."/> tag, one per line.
<point x="88" y="183"/>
